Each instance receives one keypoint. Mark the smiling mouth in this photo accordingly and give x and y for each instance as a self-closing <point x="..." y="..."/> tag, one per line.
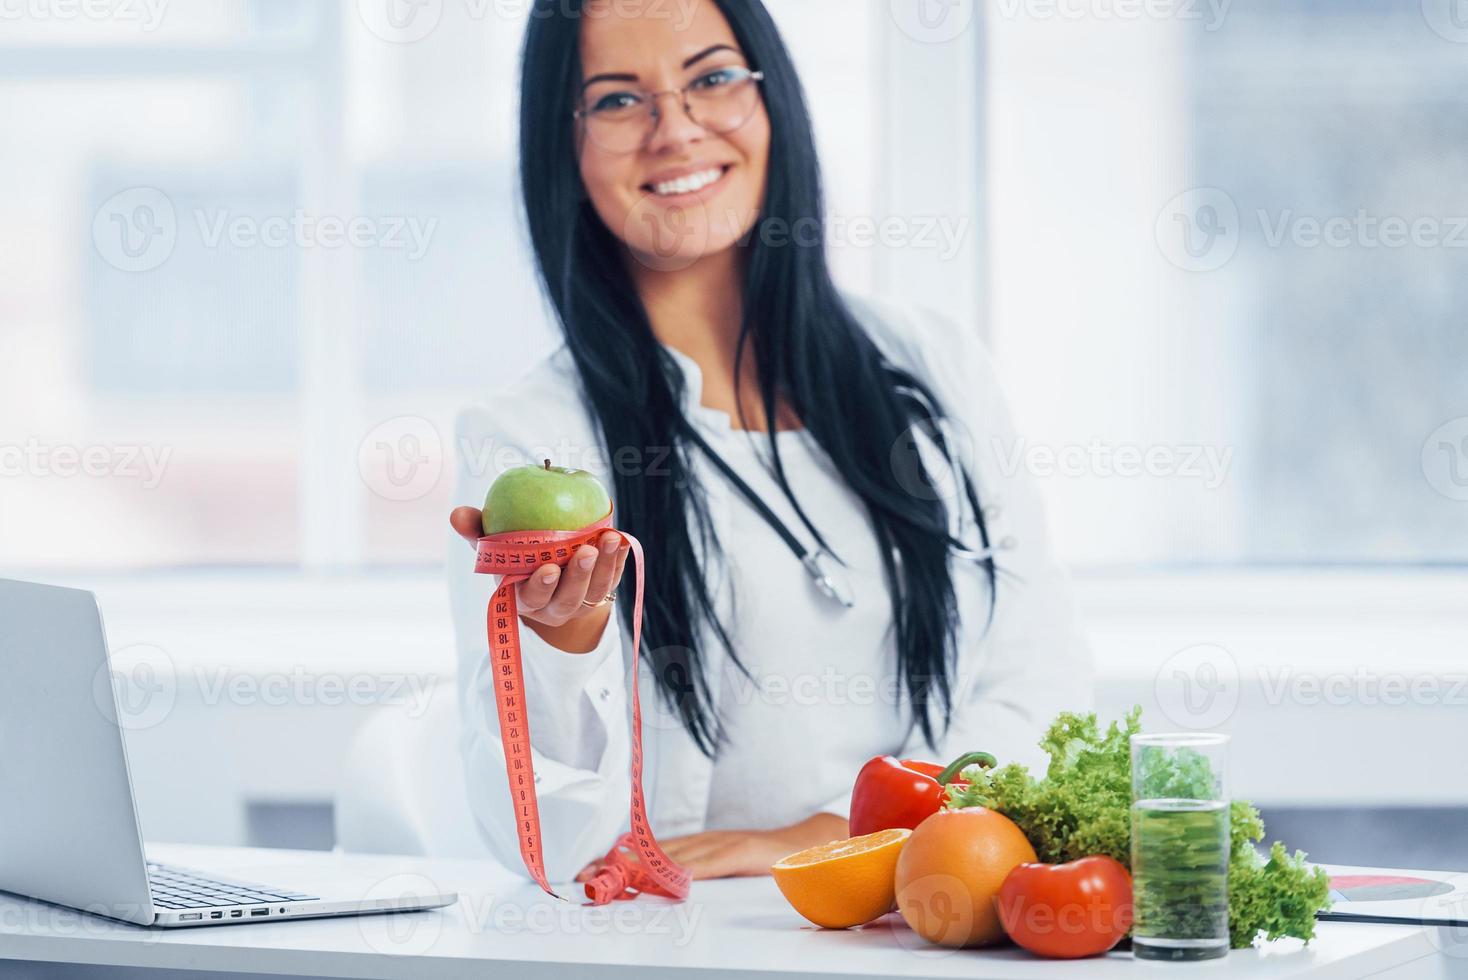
<point x="688" y="184"/>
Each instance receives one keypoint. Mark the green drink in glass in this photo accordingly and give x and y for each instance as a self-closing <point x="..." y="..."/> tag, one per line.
<point x="1180" y="846"/>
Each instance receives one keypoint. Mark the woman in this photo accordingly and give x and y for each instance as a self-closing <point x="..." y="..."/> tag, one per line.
<point x="666" y="164"/>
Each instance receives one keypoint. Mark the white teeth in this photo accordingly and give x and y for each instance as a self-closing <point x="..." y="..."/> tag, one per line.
<point x="687" y="185"/>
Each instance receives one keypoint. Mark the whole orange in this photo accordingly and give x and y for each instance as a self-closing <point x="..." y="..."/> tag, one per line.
<point x="949" y="875"/>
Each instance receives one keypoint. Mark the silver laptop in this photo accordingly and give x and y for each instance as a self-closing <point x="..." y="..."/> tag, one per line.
<point x="68" y="823"/>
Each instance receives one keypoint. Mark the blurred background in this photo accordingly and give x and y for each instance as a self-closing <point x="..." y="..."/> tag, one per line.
<point x="257" y="253"/>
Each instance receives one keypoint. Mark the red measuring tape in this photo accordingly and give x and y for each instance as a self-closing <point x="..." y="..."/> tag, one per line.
<point x="635" y="864"/>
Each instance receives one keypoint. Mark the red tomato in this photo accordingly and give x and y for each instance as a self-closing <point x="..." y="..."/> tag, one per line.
<point x="1066" y="911"/>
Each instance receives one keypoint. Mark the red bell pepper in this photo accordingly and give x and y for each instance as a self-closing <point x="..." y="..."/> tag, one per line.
<point x="903" y="793"/>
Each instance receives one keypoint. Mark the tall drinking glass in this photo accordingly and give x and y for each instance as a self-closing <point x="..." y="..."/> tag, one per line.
<point x="1180" y="846"/>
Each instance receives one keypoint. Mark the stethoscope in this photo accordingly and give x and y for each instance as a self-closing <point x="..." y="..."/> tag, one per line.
<point x="824" y="568"/>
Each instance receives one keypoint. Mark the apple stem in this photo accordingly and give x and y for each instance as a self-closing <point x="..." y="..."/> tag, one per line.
<point x="547" y="464"/>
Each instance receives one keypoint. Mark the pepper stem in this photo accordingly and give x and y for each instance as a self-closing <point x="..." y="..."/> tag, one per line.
<point x="963" y="762"/>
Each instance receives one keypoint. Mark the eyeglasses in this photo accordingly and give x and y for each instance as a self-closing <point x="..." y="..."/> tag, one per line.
<point x="720" y="101"/>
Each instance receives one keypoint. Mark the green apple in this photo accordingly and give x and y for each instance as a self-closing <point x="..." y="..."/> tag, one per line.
<point x="544" y="498"/>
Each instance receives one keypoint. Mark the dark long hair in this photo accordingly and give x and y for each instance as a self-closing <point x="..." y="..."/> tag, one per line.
<point x="808" y="347"/>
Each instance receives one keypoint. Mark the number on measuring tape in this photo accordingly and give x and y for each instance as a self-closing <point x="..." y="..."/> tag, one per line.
<point x="636" y="863"/>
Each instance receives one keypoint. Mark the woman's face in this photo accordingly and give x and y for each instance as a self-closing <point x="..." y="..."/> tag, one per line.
<point x="688" y="191"/>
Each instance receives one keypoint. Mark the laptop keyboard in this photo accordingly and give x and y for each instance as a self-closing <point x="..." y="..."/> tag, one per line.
<point x="180" y="888"/>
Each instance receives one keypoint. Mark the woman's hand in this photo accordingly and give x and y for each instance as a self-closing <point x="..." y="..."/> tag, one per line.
<point x="744" y="853"/>
<point x="563" y="606"/>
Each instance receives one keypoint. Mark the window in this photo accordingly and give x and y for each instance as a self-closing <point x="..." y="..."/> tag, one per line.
<point x="1230" y="277"/>
<point x="261" y="254"/>
<point x="257" y="253"/>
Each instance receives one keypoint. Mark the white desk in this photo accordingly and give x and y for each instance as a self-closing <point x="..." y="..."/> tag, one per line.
<point x="503" y="928"/>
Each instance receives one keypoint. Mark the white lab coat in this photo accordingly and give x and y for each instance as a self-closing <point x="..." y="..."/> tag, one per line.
<point x="822" y="698"/>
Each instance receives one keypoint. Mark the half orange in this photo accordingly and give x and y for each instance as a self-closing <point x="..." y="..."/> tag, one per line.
<point x="846" y="882"/>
